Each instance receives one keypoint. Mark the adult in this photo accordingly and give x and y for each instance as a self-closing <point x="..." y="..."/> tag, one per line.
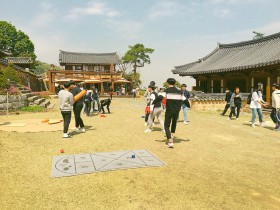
<point x="111" y="90"/>
<point x="87" y="102"/>
<point x="184" y="107"/>
<point x="275" y="113"/>
<point x="77" y="108"/>
<point x="147" y="95"/>
<point x="256" y="105"/>
<point x="227" y="99"/>
<point x="235" y="103"/>
<point x="66" y="101"/>
<point x="134" y="93"/>
<point x="95" y="97"/>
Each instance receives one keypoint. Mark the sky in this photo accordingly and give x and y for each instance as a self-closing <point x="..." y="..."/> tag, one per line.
<point x="180" y="31"/>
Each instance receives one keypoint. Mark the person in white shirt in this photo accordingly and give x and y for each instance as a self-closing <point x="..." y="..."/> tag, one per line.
<point x="256" y="105"/>
<point x="275" y="113"/>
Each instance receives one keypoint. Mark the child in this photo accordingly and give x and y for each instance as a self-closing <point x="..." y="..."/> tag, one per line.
<point x="155" y="110"/>
<point x="174" y="98"/>
<point x="66" y="101"/>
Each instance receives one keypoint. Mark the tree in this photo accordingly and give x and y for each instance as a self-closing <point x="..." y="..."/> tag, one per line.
<point x="16" y="42"/>
<point x="131" y="77"/>
<point x="11" y="74"/>
<point x="177" y="84"/>
<point x="137" y="56"/>
<point x="258" y="35"/>
<point x="42" y="67"/>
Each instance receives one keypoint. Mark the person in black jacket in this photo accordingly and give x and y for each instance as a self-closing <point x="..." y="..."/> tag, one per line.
<point x="174" y="98"/>
<point x="77" y="108"/>
<point x="227" y="99"/>
<point x="106" y="103"/>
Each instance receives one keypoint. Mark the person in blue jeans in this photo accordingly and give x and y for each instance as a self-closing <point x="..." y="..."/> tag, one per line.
<point x="184" y="107"/>
<point x="256" y="106"/>
<point x="95" y="97"/>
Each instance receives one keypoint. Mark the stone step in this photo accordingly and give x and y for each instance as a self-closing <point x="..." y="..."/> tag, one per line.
<point x="39" y="101"/>
<point x="50" y="106"/>
<point x="33" y="98"/>
<point x="28" y="95"/>
<point x="25" y="91"/>
<point x="45" y="104"/>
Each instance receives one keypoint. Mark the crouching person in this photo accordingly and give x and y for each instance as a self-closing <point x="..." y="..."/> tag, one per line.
<point x="106" y="103"/>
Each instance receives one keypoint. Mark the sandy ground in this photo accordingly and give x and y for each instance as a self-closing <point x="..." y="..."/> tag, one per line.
<point x="215" y="164"/>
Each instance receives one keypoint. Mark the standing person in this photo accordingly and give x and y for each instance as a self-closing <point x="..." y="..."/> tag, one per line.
<point x="134" y="93"/>
<point x="77" y="108"/>
<point x="184" y="107"/>
<point x="275" y="113"/>
<point x="87" y="102"/>
<point x="235" y="103"/>
<point x="111" y="90"/>
<point x="163" y="102"/>
<point x="155" y="110"/>
<point x="95" y="97"/>
<point x="173" y="106"/>
<point x="147" y="100"/>
<point x="227" y="99"/>
<point x="256" y="105"/>
<point x="66" y="101"/>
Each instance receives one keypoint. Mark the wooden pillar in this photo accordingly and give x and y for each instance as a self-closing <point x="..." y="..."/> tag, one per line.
<point x="111" y="68"/>
<point x="222" y="85"/>
<point x="278" y="80"/>
<point x="212" y="85"/>
<point x="101" y="88"/>
<point x="252" y="84"/>
<point x="199" y="85"/>
<point x="268" y="96"/>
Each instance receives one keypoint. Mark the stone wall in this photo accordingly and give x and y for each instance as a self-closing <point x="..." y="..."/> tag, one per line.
<point x="212" y="105"/>
<point x="14" y="102"/>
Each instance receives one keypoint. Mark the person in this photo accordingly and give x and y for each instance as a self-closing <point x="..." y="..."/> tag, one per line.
<point x="147" y="100"/>
<point x="66" y="101"/>
<point x="227" y="99"/>
<point x="235" y="103"/>
<point x="134" y="93"/>
<point x="184" y="107"/>
<point x="95" y="97"/>
<point x="174" y="98"/>
<point x="163" y="102"/>
<point x="106" y="103"/>
<point x="111" y="90"/>
<point x="155" y="110"/>
<point x="275" y="113"/>
<point x="87" y="102"/>
<point x="77" y="108"/>
<point x="256" y="105"/>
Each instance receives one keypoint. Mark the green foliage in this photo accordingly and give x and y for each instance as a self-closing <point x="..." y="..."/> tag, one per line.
<point x="42" y="67"/>
<point x="11" y="74"/>
<point x="177" y="84"/>
<point x="3" y="82"/>
<point x="34" y="108"/>
<point x="137" y="56"/>
<point x="131" y="77"/>
<point x="16" y="42"/>
<point x="258" y="35"/>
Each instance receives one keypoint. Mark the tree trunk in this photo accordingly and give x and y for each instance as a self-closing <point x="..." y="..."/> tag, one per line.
<point x="135" y="75"/>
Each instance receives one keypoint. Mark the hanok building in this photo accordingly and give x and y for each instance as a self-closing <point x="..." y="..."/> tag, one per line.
<point x="242" y="64"/>
<point x="93" y="69"/>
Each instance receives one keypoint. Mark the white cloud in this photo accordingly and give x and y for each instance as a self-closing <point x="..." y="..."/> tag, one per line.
<point x="92" y="8"/>
<point x="127" y="28"/>
<point x="164" y="9"/>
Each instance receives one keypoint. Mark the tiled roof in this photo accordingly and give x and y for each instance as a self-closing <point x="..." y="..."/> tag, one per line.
<point x="212" y="96"/>
<point x="5" y="62"/>
<point x="88" y="58"/>
<point x="20" y="60"/>
<point x="4" y="52"/>
<point x="237" y="56"/>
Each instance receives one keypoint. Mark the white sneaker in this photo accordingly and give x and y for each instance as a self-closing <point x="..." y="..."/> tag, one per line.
<point x="262" y="124"/>
<point x="148" y="131"/>
<point x="253" y="126"/>
<point x="82" y="130"/>
<point x="170" y="145"/>
<point x="185" y="122"/>
<point x="145" y="124"/>
<point x="66" y="135"/>
<point x="237" y="119"/>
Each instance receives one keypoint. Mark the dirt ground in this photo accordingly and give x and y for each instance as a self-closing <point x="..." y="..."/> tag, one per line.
<point x="216" y="164"/>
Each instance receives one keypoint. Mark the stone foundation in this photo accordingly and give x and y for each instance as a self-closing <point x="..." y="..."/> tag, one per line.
<point x="15" y="102"/>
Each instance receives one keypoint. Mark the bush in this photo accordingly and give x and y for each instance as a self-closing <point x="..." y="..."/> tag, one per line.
<point x="12" y="90"/>
<point x="43" y="94"/>
<point x="34" y="108"/>
<point x="11" y="74"/>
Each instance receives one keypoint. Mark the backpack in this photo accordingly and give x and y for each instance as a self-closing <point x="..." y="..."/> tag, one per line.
<point x="249" y="99"/>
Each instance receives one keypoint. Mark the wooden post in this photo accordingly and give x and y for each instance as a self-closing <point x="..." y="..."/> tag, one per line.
<point x="212" y="86"/>
<point x="278" y="80"/>
<point x="222" y="85"/>
<point x="268" y="96"/>
<point x="252" y="84"/>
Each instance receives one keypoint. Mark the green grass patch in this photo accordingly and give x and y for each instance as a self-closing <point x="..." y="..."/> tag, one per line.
<point x="34" y="108"/>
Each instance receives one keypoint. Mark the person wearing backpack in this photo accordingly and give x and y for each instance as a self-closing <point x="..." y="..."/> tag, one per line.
<point x="275" y="113"/>
<point x="256" y="105"/>
<point x="235" y="103"/>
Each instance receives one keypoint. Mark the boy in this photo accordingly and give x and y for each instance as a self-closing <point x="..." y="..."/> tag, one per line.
<point x="155" y="110"/>
<point x="77" y="108"/>
<point x="66" y="101"/>
<point x="174" y="98"/>
<point x="275" y="113"/>
<point x="106" y="103"/>
<point x="184" y="107"/>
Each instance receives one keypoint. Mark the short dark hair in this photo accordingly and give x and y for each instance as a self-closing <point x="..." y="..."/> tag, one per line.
<point x="171" y="81"/>
<point x="183" y="85"/>
<point x="152" y="83"/>
<point x="150" y="86"/>
<point x="68" y="84"/>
